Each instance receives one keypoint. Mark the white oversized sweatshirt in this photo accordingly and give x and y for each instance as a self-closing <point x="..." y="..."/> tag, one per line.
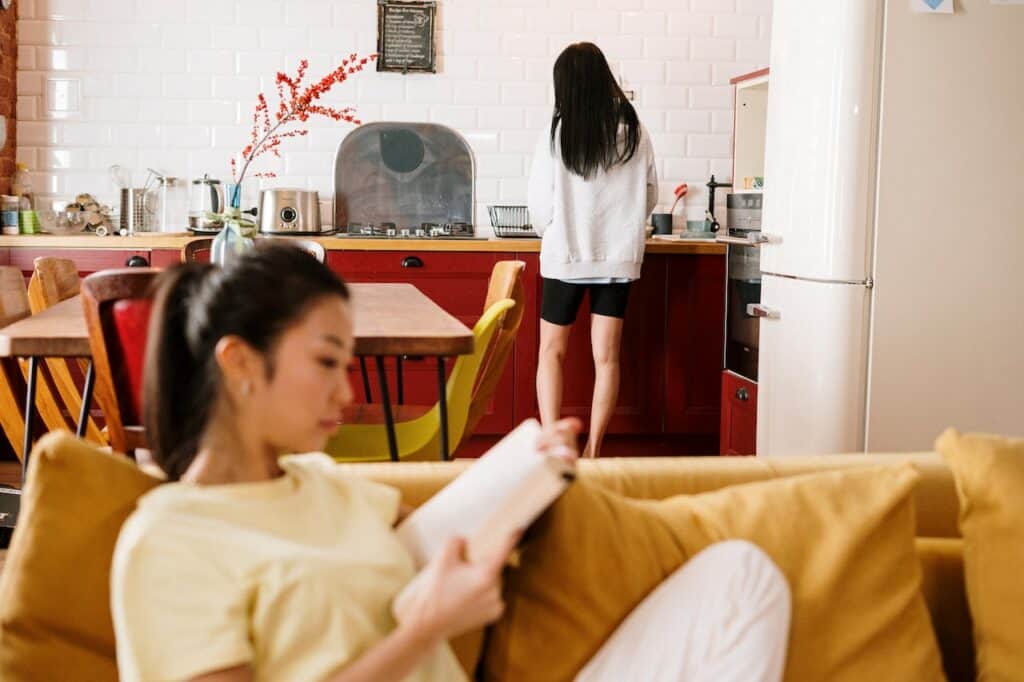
<point x="591" y="228"/>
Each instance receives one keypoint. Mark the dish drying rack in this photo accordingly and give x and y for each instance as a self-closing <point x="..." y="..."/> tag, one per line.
<point x="511" y="221"/>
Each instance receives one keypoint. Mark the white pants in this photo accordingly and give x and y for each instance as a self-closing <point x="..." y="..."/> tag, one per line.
<point x="722" y="616"/>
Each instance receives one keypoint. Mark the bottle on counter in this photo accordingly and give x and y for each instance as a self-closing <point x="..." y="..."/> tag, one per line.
<point x="9" y="206"/>
<point x="21" y="184"/>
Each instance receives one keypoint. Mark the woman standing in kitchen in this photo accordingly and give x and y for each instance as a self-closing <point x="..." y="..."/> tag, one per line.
<point x="592" y="186"/>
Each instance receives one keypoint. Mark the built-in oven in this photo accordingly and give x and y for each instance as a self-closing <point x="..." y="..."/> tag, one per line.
<point x="743" y="285"/>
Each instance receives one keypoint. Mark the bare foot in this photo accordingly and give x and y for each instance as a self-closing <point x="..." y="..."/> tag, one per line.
<point x="589" y="451"/>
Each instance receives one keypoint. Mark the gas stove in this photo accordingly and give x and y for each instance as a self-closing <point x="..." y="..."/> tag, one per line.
<point x="388" y="230"/>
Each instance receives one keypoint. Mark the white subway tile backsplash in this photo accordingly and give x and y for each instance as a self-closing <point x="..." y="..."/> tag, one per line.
<point x="712" y="97"/>
<point x="304" y="13"/>
<point x="459" y="118"/>
<point x="29" y="83"/>
<point x="712" y="49"/>
<point x="688" y="73"/>
<point x="736" y="26"/>
<point x="215" y="111"/>
<point x="549" y="20"/>
<point x="713" y="6"/>
<point x="682" y="23"/>
<point x="210" y="61"/>
<point x="502" y="19"/>
<point x="187" y="85"/>
<point x="172" y="84"/>
<point x="646" y="22"/>
<point x="709" y="146"/>
<point x="686" y="121"/>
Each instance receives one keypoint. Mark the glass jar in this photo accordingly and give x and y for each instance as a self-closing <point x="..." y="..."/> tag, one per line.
<point x="9" y="207"/>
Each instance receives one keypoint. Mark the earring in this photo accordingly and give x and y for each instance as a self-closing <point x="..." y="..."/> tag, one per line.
<point x="246" y="387"/>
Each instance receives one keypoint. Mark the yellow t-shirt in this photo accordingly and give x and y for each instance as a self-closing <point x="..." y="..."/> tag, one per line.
<point x="294" y="576"/>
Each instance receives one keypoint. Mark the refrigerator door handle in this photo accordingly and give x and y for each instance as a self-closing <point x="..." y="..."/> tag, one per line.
<point x="759" y="310"/>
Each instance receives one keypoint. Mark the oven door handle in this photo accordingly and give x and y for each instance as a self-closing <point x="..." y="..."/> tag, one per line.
<point x="753" y="241"/>
<point x="759" y="310"/>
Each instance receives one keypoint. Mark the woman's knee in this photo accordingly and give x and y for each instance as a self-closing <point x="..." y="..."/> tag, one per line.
<point x="748" y="570"/>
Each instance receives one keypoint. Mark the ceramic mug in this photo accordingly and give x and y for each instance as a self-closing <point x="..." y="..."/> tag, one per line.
<point x="662" y="223"/>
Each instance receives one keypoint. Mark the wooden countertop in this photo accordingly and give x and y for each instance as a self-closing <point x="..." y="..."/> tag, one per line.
<point x="177" y="240"/>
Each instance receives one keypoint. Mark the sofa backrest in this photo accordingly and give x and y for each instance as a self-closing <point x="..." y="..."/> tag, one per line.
<point x="660" y="477"/>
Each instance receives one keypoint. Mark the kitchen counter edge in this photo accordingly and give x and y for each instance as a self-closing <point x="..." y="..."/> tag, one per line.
<point x="332" y="243"/>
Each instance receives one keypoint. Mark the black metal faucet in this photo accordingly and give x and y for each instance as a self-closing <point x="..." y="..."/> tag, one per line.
<point x="710" y="215"/>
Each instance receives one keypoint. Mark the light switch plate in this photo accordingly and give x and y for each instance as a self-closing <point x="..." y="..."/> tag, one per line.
<point x="63" y="97"/>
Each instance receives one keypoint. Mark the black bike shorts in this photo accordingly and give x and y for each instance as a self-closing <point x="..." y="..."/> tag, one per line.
<point x="560" y="300"/>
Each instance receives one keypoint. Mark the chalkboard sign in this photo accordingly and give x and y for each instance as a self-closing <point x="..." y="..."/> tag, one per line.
<point x="405" y="36"/>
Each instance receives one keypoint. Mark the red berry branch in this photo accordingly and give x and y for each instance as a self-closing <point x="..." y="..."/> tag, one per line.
<point x="295" y="103"/>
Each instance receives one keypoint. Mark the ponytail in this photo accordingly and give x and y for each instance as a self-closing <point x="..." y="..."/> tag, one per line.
<point x="256" y="298"/>
<point x="179" y="389"/>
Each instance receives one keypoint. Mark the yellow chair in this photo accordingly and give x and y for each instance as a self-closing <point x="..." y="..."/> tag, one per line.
<point x="55" y="280"/>
<point x="420" y="438"/>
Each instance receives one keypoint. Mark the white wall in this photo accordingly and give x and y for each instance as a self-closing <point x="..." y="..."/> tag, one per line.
<point x="171" y="84"/>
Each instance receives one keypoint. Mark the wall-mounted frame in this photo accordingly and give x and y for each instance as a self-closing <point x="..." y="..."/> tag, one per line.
<point x="405" y="36"/>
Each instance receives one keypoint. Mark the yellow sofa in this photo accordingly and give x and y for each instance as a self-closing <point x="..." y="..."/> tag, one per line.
<point x="54" y="623"/>
<point x="938" y="542"/>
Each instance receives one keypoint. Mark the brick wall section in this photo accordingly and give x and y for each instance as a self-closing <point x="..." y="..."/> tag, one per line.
<point x="171" y="84"/>
<point x="8" y="92"/>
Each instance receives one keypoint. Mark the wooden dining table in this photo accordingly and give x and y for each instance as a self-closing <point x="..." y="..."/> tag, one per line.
<point x="388" y="320"/>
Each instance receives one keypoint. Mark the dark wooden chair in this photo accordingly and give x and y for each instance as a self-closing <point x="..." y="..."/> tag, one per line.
<point x="117" y="305"/>
<point x="198" y="250"/>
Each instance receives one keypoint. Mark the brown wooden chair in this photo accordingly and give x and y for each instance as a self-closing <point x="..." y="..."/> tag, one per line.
<point x="55" y="280"/>
<point x="14" y="306"/>
<point x="117" y="305"/>
<point x="198" y="250"/>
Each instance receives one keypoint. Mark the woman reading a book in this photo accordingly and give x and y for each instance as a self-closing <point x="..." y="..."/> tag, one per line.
<point x="250" y="565"/>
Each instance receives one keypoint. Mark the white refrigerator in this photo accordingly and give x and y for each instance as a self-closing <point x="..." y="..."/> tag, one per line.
<point x="892" y="298"/>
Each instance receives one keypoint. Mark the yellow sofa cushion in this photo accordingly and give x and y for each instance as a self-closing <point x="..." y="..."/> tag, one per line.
<point x="54" y="591"/>
<point x="844" y="540"/>
<point x="989" y="474"/>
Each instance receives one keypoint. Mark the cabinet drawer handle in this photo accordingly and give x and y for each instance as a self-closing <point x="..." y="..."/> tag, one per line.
<point x="412" y="262"/>
<point x="137" y="261"/>
<point x="741" y="394"/>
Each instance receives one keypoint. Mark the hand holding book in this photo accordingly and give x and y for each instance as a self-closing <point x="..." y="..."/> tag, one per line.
<point x="482" y="512"/>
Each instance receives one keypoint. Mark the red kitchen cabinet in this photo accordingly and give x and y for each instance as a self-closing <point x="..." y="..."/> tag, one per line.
<point x="642" y="384"/>
<point x="165" y="258"/>
<point x="739" y="415"/>
<point x="87" y="260"/>
<point x="695" y="329"/>
<point x="455" y="281"/>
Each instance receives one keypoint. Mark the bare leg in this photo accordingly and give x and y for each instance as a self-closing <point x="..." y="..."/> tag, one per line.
<point x="606" y="339"/>
<point x="554" y="338"/>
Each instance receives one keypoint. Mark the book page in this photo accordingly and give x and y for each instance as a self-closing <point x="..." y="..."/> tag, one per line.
<point x="503" y="491"/>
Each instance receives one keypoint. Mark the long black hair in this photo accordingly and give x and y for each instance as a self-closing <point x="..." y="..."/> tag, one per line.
<point x="256" y="297"/>
<point x="589" y="107"/>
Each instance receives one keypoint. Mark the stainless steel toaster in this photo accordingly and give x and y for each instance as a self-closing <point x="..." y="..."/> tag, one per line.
<point x="289" y="211"/>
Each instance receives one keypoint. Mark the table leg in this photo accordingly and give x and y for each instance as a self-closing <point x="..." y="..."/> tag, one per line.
<point x="366" y="379"/>
<point x="389" y="419"/>
<point x="83" y="418"/>
<point x="401" y="389"/>
<point x="30" y="405"/>
<point x="442" y="396"/>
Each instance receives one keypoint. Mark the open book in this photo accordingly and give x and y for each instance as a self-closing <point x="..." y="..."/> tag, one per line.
<point x="503" y="491"/>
